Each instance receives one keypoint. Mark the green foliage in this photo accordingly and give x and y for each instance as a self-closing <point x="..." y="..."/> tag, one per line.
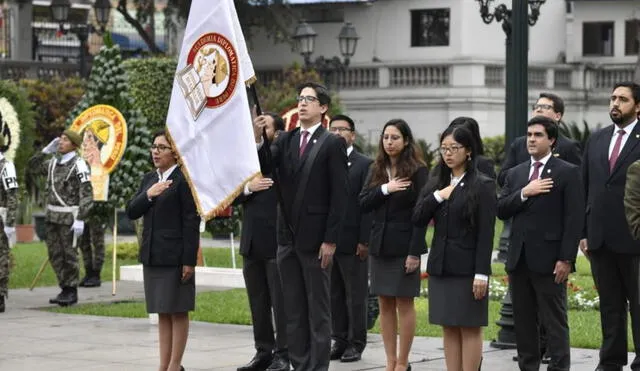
<point x="494" y="148"/>
<point x="23" y="107"/>
<point x="52" y="100"/>
<point x="429" y="155"/>
<point x="280" y="95"/>
<point x="224" y="226"/>
<point x="150" y="84"/>
<point x="24" y="214"/>
<point x="108" y="84"/>
<point x="125" y="251"/>
<point x="574" y="132"/>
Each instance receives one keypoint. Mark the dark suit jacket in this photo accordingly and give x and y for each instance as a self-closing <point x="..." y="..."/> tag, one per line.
<point x="357" y="225"/>
<point x="565" y="149"/>
<point x="606" y="224"/>
<point x="484" y="164"/>
<point x="548" y="226"/>
<point x="392" y="231"/>
<point x="259" y="215"/>
<point x="632" y="199"/>
<point x="324" y="200"/>
<point x="171" y="223"/>
<point x="459" y="248"/>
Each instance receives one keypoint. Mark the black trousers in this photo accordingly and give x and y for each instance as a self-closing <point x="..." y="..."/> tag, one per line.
<point x="349" y="292"/>
<point x="265" y="293"/>
<point x="307" y="307"/>
<point x="537" y="300"/>
<point x="616" y="278"/>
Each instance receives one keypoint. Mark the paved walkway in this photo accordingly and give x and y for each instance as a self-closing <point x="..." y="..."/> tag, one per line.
<point x="34" y="339"/>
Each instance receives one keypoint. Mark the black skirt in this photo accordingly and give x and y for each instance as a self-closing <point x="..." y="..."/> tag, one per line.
<point x="165" y="293"/>
<point x="451" y="303"/>
<point x="388" y="277"/>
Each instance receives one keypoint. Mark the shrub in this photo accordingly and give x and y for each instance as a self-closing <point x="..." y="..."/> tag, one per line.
<point x="52" y="101"/>
<point x="494" y="149"/>
<point x="150" y="82"/>
<point x="125" y="251"/>
<point x="572" y="131"/>
<point x="20" y="102"/>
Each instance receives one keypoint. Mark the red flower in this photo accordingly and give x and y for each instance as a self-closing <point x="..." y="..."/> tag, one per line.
<point x="424" y="275"/>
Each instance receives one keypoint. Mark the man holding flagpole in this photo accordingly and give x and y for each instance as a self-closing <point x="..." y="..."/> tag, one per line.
<point x="313" y="180"/>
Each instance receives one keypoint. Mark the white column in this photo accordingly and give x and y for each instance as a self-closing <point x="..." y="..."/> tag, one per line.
<point x="21" y="31"/>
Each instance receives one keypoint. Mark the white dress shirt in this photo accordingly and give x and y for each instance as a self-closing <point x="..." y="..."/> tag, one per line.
<point x="349" y="150"/>
<point x="532" y="168"/>
<point x="627" y="131"/>
<point x="162" y="177"/>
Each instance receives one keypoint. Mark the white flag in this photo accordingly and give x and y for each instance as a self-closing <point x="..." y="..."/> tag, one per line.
<point x="209" y="119"/>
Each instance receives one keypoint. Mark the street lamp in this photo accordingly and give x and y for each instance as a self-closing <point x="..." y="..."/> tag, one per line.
<point x="304" y="40"/>
<point x="515" y="24"/>
<point x="60" y="14"/>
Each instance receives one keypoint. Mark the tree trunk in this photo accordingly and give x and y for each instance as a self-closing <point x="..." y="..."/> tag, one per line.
<point x="151" y="43"/>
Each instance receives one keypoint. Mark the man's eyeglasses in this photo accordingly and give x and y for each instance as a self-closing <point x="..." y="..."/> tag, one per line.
<point x="307" y="98"/>
<point x="159" y="147"/>
<point x="453" y="149"/>
<point x="544" y="107"/>
<point x="339" y="129"/>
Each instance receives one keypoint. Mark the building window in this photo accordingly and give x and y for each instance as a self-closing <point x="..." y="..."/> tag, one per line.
<point x="632" y="37"/>
<point x="597" y="39"/>
<point x="430" y="27"/>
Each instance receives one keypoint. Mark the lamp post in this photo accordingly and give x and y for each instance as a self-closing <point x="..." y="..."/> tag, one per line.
<point x="304" y="41"/>
<point x="515" y="24"/>
<point x="60" y="14"/>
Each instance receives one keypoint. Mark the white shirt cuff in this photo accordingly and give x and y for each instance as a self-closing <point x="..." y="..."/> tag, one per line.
<point x="482" y="277"/>
<point x="247" y="192"/>
<point x="259" y="145"/>
<point x="385" y="189"/>
<point x="437" y="196"/>
<point x="522" y="196"/>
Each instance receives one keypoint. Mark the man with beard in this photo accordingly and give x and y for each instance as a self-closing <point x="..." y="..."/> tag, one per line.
<point x="607" y="241"/>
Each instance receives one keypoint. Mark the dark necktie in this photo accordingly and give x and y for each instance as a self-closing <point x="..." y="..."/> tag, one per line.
<point x="616" y="150"/>
<point x="305" y="140"/>
<point x="536" y="170"/>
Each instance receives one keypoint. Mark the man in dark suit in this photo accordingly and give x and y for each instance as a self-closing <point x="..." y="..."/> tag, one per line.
<point x="544" y="197"/>
<point x="349" y="275"/>
<point x="552" y="106"/>
<point x="607" y="241"/>
<point x="258" y="248"/>
<point x="313" y="181"/>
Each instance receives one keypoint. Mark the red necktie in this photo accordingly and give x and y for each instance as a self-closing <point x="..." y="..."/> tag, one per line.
<point x="536" y="170"/>
<point x="303" y="145"/>
<point x="616" y="150"/>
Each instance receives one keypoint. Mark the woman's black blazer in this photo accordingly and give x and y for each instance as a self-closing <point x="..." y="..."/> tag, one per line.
<point x="392" y="232"/>
<point x="170" y="236"/>
<point x="459" y="247"/>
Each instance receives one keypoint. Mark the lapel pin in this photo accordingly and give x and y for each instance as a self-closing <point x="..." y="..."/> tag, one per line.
<point x="548" y="171"/>
<point x="637" y="136"/>
<point x="314" y="141"/>
<point x="462" y="184"/>
<point x="349" y="163"/>
<point x="556" y="155"/>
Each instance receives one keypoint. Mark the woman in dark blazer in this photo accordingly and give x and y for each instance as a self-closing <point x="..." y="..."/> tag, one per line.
<point x="395" y="245"/>
<point x="169" y="249"/>
<point x="483" y="163"/>
<point x="462" y="201"/>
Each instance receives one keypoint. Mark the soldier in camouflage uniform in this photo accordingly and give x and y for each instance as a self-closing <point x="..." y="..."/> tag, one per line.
<point x="8" y="207"/>
<point x="69" y="200"/>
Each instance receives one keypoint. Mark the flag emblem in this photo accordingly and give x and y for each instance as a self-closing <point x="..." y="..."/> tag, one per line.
<point x="209" y="79"/>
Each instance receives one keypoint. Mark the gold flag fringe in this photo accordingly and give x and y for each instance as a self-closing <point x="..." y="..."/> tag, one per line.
<point x="224" y="203"/>
<point x="251" y="80"/>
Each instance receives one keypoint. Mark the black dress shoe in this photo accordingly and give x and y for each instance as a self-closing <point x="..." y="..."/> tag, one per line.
<point x="351" y="355"/>
<point x="259" y="362"/>
<point x="279" y="364"/>
<point x="337" y="351"/>
<point x="608" y="368"/>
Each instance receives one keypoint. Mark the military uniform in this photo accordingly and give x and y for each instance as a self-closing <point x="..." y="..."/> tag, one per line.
<point x="8" y="207"/>
<point x="69" y="200"/>
<point x="93" y="235"/>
